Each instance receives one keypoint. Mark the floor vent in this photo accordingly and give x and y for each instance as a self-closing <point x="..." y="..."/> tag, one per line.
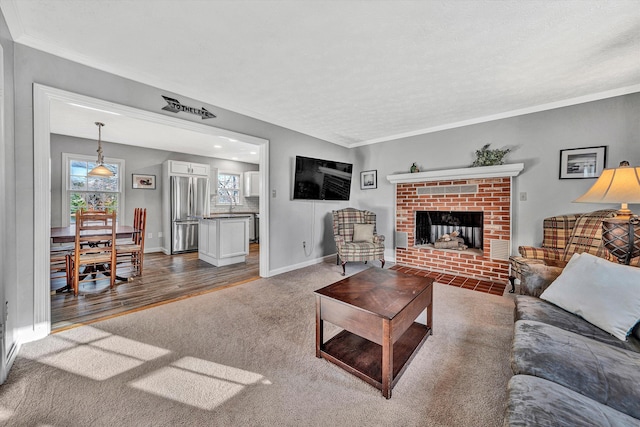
<point x="499" y="249"/>
<point x="449" y="189"/>
<point x="402" y="239"/>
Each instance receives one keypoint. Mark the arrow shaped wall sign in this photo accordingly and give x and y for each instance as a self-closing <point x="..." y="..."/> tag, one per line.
<point x="175" y="106"/>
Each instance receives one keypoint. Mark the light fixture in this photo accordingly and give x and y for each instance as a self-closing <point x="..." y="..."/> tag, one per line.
<point x="620" y="235"/>
<point x="100" y="169"/>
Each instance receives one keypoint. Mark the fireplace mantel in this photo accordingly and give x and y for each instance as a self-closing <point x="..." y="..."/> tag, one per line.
<point x="462" y="173"/>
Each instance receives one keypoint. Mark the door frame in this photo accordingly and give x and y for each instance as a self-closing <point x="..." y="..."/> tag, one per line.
<point x="42" y="97"/>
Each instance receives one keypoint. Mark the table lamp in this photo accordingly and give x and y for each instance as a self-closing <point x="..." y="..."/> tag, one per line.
<point x="621" y="234"/>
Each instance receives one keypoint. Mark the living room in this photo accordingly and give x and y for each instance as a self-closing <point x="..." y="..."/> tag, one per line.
<point x="597" y="113"/>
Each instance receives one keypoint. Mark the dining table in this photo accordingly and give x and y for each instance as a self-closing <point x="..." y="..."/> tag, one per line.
<point x="68" y="234"/>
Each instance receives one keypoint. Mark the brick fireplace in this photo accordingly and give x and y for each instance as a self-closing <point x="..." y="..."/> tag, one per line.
<point x="450" y="194"/>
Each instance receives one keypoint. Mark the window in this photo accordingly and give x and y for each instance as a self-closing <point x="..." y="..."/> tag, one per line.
<point x="90" y="192"/>
<point x="228" y="188"/>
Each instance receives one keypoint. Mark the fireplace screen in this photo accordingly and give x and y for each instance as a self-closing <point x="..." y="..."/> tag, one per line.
<point x="431" y="226"/>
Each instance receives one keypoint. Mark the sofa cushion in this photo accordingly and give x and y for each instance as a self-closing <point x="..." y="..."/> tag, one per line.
<point x="534" y="401"/>
<point x="602" y="292"/>
<point x="363" y="232"/>
<point x="532" y="308"/>
<point x="607" y="374"/>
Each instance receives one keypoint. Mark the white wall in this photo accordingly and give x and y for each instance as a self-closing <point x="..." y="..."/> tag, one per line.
<point x="535" y="139"/>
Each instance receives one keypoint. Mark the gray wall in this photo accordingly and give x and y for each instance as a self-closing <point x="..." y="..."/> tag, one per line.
<point x="137" y="160"/>
<point x="8" y="278"/>
<point x="535" y="140"/>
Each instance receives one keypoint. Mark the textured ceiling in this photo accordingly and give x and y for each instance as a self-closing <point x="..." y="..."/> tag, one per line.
<point x="352" y="72"/>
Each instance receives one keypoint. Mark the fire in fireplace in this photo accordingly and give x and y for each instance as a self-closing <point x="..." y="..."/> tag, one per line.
<point x="433" y="225"/>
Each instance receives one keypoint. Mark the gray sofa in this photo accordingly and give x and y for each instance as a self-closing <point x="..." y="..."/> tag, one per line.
<point x="568" y="372"/>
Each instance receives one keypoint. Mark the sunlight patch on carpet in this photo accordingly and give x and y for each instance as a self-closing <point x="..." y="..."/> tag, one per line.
<point x="5" y="414"/>
<point x="198" y="382"/>
<point x="93" y="353"/>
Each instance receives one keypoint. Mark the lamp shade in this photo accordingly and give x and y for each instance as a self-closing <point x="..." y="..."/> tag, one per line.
<point x="100" y="170"/>
<point x="619" y="185"/>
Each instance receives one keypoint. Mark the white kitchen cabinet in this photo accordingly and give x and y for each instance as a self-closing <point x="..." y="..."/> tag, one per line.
<point x="223" y="240"/>
<point x="252" y="184"/>
<point x="177" y="167"/>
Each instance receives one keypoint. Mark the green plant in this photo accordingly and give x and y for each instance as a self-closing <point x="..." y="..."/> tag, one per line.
<point x="486" y="157"/>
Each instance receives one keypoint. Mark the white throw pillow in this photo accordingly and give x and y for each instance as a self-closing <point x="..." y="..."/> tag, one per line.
<point x="603" y="293"/>
<point x="363" y="232"/>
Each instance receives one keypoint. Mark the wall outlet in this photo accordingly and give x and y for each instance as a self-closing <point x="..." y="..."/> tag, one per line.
<point x="149" y="235"/>
<point x="304" y="245"/>
<point x="159" y="234"/>
<point x="523" y="196"/>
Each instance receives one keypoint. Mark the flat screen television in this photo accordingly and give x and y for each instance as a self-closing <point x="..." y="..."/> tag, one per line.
<point x="317" y="179"/>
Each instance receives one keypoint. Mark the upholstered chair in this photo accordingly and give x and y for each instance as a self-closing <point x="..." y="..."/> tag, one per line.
<point x="563" y="236"/>
<point x="355" y="234"/>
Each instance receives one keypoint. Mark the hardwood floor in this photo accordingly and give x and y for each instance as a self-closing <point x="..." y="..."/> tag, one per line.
<point x="165" y="278"/>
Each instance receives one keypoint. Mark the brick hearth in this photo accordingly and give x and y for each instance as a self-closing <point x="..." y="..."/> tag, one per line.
<point x="493" y="197"/>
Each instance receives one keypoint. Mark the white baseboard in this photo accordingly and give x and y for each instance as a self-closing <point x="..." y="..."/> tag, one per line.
<point x="389" y="255"/>
<point x="301" y="265"/>
<point x="150" y="250"/>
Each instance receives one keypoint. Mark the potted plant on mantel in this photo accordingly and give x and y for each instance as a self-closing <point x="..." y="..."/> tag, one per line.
<point x="486" y="157"/>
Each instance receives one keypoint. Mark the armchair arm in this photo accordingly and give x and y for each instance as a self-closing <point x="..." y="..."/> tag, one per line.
<point x="339" y="240"/>
<point x="536" y="278"/>
<point x="540" y="253"/>
<point x="378" y="238"/>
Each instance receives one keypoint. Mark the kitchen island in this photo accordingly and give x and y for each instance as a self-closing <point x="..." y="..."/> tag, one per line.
<point x="223" y="239"/>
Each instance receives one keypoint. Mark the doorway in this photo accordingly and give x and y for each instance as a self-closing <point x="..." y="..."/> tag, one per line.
<point x="43" y="96"/>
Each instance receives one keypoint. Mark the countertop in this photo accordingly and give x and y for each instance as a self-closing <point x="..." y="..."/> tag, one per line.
<point x="233" y="215"/>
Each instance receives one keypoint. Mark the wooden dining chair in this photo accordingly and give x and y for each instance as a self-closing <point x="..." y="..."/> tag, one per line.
<point x="58" y="259"/>
<point x="94" y="253"/>
<point x="133" y="251"/>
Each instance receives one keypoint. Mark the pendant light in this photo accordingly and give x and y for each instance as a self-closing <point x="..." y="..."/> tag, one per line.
<point x="100" y="169"/>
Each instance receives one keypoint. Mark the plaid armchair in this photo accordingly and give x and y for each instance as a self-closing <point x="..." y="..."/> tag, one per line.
<point x="367" y="246"/>
<point x="564" y="235"/>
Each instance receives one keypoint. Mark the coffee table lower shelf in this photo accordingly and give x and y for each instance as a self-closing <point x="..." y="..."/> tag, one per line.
<point x="363" y="358"/>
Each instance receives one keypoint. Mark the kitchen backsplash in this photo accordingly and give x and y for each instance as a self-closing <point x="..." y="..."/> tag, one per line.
<point x="249" y="204"/>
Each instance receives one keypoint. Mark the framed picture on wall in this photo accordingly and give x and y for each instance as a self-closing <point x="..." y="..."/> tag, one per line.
<point x="368" y="179"/>
<point x="144" y="182"/>
<point x="579" y="163"/>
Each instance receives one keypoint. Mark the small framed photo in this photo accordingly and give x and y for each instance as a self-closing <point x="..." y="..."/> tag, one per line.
<point x="368" y="180"/>
<point x="578" y="163"/>
<point x="144" y="182"/>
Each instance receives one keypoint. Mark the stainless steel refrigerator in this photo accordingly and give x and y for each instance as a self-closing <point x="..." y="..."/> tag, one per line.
<point x="189" y="201"/>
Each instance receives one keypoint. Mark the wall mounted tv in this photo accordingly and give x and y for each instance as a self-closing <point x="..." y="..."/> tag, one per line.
<point x="317" y="179"/>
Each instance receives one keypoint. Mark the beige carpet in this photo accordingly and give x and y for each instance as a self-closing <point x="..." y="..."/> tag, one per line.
<point x="245" y="356"/>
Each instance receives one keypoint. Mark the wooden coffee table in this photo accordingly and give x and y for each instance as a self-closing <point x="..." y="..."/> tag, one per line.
<point x="376" y="308"/>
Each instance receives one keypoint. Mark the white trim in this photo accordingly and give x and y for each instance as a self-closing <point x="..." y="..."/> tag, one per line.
<point x="65" y="184"/>
<point x="6" y="361"/>
<point x="307" y="263"/>
<point x="41" y="214"/>
<point x="42" y="97"/>
<point x="507" y="114"/>
<point x="463" y="173"/>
